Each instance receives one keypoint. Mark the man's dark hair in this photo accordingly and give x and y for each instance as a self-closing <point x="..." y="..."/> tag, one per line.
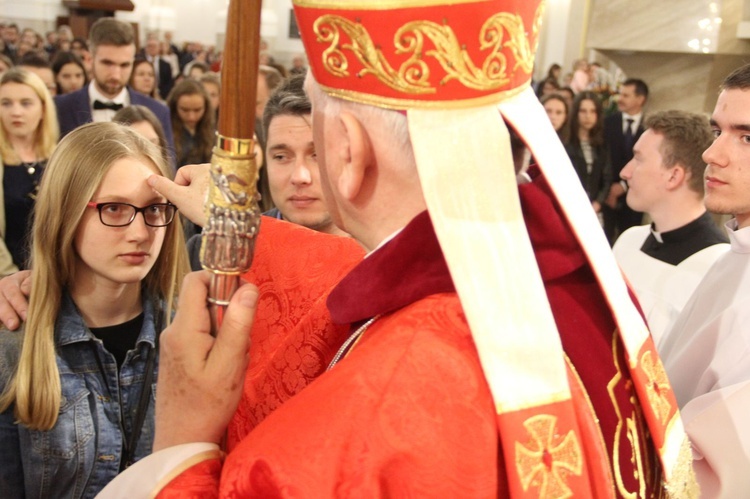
<point x="81" y="41"/>
<point x="638" y="85"/>
<point x="109" y="31"/>
<point x="685" y="137"/>
<point x="737" y="79"/>
<point x="288" y="99"/>
<point x="547" y="81"/>
<point x="63" y="58"/>
<point x="34" y="60"/>
<point x="568" y="91"/>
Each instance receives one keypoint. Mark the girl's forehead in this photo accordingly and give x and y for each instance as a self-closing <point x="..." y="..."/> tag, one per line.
<point x="127" y="175"/>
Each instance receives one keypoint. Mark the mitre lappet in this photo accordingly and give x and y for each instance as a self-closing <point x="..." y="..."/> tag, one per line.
<point x="461" y="71"/>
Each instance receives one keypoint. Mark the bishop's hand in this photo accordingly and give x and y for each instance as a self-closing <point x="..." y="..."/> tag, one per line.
<point x="201" y="377"/>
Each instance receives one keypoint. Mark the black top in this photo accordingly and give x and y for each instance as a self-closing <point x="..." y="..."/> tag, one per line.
<point x="596" y="182"/>
<point x="120" y="338"/>
<point x="20" y="185"/>
<point x="677" y="245"/>
<point x="191" y="155"/>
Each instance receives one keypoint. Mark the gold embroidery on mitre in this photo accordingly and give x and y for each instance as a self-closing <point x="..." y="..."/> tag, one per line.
<point x="547" y="459"/>
<point x="657" y="387"/>
<point x="413" y="75"/>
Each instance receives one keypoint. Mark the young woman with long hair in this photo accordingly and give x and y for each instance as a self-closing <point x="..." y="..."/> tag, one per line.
<point x="192" y="123"/>
<point x="108" y="258"/>
<point x="587" y="149"/>
<point x="143" y="78"/>
<point x="557" y="110"/>
<point x="70" y="73"/>
<point x="144" y="121"/>
<point x="28" y="135"/>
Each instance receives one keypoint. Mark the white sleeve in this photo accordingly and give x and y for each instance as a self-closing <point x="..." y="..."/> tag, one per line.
<point x="717" y="424"/>
<point x="142" y="478"/>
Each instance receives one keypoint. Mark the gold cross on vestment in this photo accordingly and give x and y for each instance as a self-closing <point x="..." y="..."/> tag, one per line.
<point x="548" y="458"/>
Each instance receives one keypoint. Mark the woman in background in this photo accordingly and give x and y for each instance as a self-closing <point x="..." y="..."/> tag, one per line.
<point x="581" y="78"/>
<point x="587" y="150"/>
<point x="547" y="87"/>
<point x="144" y="121"/>
<point x="195" y="69"/>
<point x="143" y="78"/>
<point x="77" y="402"/>
<point x="212" y="83"/>
<point x="557" y="110"/>
<point x="28" y="135"/>
<point x="554" y="72"/>
<point x="192" y="123"/>
<point x="70" y="74"/>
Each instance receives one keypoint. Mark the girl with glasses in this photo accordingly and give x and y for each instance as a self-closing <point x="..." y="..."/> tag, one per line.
<point x="108" y="257"/>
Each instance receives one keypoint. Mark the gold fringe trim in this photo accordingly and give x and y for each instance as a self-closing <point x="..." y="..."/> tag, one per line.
<point x="683" y="484"/>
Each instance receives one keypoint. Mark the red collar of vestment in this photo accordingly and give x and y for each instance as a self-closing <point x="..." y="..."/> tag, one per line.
<point x="406" y="269"/>
<point x="411" y="266"/>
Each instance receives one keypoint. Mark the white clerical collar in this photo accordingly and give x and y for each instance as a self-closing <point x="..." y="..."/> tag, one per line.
<point x="106" y="114"/>
<point x="656" y="233"/>
<point x="738" y="238"/>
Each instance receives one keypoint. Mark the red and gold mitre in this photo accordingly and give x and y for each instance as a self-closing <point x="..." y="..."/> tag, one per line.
<point x="418" y="53"/>
<point x="459" y="70"/>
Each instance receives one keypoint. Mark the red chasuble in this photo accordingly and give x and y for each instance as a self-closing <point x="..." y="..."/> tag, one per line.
<point x="408" y="411"/>
<point x="293" y="338"/>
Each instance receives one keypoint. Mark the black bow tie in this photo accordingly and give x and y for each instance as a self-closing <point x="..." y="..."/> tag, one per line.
<point x="107" y="105"/>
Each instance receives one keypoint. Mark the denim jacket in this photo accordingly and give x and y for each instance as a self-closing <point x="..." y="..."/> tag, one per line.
<point x="82" y="452"/>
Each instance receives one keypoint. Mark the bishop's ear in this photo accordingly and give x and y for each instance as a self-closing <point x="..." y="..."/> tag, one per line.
<point x="358" y="156"/>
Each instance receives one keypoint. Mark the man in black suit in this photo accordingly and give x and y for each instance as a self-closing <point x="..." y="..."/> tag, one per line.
<point x="621" y="131"/>
<point x="162" y="69"/>
<point x="10" y="37"/>
<point x="112" y="45"/>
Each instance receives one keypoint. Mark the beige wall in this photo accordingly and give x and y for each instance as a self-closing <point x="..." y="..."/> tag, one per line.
<point x="681" y="48"/>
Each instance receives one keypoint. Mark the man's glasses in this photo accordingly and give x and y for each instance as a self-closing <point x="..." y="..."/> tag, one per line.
<point x="122" y="214"/>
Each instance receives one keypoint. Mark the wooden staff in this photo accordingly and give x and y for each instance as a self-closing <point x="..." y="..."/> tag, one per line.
<point x="228" y="240"/>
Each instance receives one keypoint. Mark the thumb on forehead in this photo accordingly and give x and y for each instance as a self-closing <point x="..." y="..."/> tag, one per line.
<point x="162" y="185"/>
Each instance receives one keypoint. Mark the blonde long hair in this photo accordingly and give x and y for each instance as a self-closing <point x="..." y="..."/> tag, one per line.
<point x="47" y="132"/>
<point x="74" y="173"/>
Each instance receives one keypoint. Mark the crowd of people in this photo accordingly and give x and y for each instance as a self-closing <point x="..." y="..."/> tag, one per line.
<point x="598" y="129"/>
<point x="90" y="80"/>
<point x="387" y="374"/>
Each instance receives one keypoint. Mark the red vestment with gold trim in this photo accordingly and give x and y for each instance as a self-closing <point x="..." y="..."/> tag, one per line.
<point x="408" y="412"/>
